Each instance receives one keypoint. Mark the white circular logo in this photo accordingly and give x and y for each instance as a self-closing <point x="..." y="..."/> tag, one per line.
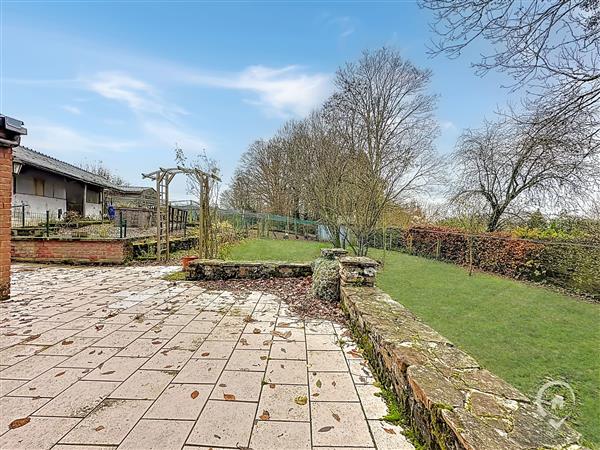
<point x="555" y="400"/>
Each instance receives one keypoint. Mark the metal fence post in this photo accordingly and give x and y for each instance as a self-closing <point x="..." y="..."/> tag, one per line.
<point x="47" y="223"/>
<point x="120" y="224"/>
<point x="125" y="229"/>
<point x="23" y="214"/>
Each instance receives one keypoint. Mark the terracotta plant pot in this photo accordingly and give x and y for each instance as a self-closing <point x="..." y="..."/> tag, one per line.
<point x="186" y="260"/>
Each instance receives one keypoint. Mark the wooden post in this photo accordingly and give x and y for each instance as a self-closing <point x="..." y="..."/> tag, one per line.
<point x="157" y="213"/>
<point x="167" y="231"/>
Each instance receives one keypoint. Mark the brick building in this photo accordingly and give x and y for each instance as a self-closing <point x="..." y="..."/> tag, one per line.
<point x="10" y="136"/>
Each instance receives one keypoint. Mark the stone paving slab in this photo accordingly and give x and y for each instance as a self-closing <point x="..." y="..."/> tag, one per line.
<point x="116" y="357"/>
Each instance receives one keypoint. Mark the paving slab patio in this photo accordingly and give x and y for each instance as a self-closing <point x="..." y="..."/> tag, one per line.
<point x="117" y="357"/>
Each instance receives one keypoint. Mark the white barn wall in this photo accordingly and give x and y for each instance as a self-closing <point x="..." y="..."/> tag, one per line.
<point x="38" y="204"/>
<point x="93" y="210"/>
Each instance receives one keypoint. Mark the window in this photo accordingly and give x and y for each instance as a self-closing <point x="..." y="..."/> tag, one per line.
<point x="92" y="196"/>
<point x="38" y="186"/>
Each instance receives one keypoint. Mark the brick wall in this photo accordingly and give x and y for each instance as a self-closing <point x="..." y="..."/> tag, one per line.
<point x="5" y="212"/>
<point x="70" y="250"/>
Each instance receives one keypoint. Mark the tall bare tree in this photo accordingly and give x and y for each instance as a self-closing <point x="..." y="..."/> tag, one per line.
<point x="510" y="165"/>
<point x="384" y="115"/>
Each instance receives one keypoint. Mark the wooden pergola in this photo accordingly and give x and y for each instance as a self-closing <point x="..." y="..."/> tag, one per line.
<point x="163" y="178"/>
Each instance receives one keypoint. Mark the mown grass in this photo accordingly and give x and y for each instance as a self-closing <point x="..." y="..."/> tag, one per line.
<point x="276" y="250"/>
<point x="526" y="334"/>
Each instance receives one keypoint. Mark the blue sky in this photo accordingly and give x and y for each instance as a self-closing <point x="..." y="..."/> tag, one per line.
<point x="122" y="82"/>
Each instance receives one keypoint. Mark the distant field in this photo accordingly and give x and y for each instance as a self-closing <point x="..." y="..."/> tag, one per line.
<point x="524" y="333"/>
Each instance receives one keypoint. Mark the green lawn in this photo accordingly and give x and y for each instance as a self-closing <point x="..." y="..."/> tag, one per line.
<point x="268" y="249"/>
<point x="523" y="333"/>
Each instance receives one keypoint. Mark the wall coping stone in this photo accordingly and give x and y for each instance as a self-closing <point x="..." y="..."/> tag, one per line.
<point x="361" y="261"/>
<point x="333" y="253"/>
<point x="452" y="402"/>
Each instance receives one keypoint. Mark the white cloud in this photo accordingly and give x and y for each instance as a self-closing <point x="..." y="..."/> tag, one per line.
<point x="137" y="95"/>
<point x="344" y="25"/>
<point x="72" y="109"/>
<point x="448" y="125"/>
<point x="284" y="91"/>
<point x="62" y="140"/>
<point x="168" y="135"/>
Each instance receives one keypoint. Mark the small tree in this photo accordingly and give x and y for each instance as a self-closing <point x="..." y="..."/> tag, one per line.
<point x="205" y="189"/>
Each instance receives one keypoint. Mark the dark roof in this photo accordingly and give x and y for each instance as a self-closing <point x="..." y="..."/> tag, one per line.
<point x="132" y="189"/>
<point x="32" y="158"/>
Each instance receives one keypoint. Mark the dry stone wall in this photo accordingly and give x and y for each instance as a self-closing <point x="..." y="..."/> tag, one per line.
<point x="216" y="269"/>
<point x="450" y="401"/>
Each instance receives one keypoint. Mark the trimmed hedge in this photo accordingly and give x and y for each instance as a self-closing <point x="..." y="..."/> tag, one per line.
<point x="571" y="266"/>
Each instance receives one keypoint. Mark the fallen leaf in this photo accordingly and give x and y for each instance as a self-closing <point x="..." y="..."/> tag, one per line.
<point x="325" y="429"/>
<point x="222" y="385"/>
<point x="205" y="354"/>
<point x="65" y="342"/>
<point x="100" y="428"/>
<point x="229" y="397"/>
<point x="272" y="385"/>
<point x="244" y="341"/>
<point x="110" y="372"/>
<point x="194" y="395"/>
<point x="60" y="374"/>
<point x="301" y="400"/>
<point x="389" y="431"/>
<point x="265" y="415"/>
<point x="319" y="384"/>
<point x="156" y="342"/>
<point x="17" y="423"/>
<point x="256" y="331"/>
<point x="285" y="335"/>
<point x="99" y="327"/>
<point x="336" y="417"/>
<point x="264" y="358"/>
<point x="333" y="383"/>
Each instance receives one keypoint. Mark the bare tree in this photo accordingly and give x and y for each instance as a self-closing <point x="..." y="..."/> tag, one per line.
<point x="98" y="168"/>
<point x="550" y="47"/>
<point x="510" y="165"/>
<point x="202" y="162"/>
<point x="384" y="116"/>
<point x="323" y="164"/>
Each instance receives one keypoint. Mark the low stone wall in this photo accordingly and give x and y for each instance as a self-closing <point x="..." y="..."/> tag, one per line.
<point x="215" y="269"/>
<point x="70" y="250"/>
<point x="147" y="249"/>
<point x="449" y="400"/>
